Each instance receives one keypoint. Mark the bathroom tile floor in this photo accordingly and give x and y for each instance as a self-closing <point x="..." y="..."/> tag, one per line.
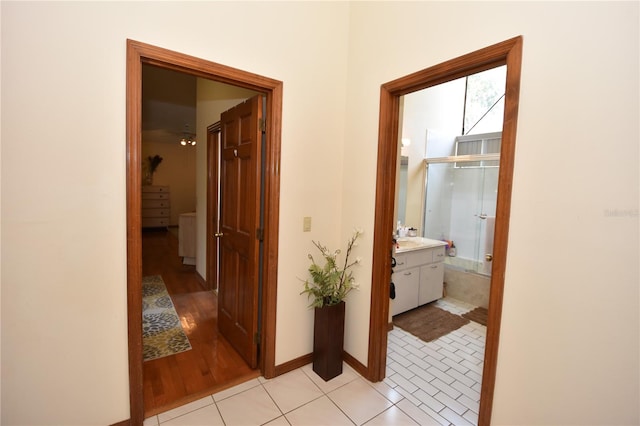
<point x="426" y="383"/>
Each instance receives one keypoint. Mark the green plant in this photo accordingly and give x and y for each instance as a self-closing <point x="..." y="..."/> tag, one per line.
<point x="330" y="283"/>
<point x="154" y="162"/>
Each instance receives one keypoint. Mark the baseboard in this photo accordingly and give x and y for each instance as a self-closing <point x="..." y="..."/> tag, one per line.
<point x="201" y="280"/>
<point x="123" y="423"/>
<point x="293" y="364"/>
<point x="390" y="326"/>
<point x="308" y="359"/>
<point x="355" y="364"/>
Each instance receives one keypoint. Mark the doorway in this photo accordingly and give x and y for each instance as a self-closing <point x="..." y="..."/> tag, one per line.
<point x="507" y="53"/>
<point x="138" y="54"/>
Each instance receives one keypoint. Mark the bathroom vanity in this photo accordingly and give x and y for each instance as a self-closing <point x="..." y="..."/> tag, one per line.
<point x="419" y="273"/>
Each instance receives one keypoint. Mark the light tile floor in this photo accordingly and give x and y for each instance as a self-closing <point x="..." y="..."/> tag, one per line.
<point x="434" y="383"/>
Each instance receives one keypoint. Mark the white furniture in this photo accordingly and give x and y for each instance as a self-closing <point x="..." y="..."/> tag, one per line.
<point x="187" y="238"/>
<point x="156" y="206"/>
<point x="419" y="273"/>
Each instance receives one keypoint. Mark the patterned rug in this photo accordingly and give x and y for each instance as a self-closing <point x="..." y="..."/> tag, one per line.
<point x="162" y="333"/>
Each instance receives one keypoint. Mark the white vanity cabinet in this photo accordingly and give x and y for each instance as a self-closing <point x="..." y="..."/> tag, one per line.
<point x="407" y="282"/>
<point x="418" y="277"/>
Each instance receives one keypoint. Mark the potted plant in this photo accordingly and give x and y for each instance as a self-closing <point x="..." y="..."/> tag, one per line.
<point x="329" y="285"/>
<point x="149" y="168"/>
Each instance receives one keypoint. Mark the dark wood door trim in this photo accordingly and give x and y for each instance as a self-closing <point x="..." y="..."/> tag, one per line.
<point x="213" y="134"/>
<point x="137" y="54"/>
<point x="508" y="52"/>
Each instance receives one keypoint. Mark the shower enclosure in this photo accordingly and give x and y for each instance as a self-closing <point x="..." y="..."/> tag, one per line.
<point x="460" y="203"/>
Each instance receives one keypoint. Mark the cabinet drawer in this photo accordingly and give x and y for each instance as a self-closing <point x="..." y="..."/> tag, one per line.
<point x="155" y="222"/>
<point x="155" y="195"/>
<point x="154" y="188"/>
<point x="149" y="213"/>
<point x="156" y="204"/>
<point x="401" y="261"/>
<point x="438" y="254"/>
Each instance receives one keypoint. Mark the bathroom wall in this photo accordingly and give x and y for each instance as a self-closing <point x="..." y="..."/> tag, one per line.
<point x="431" y="118"/>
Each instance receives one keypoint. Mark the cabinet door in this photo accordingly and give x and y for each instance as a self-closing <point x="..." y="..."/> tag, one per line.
<point x="431" y="278"/>
<point x="407" y="286"/>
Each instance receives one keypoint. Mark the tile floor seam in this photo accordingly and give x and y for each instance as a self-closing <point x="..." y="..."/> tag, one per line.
<point x="274" y="402"/>
<point x="341" y="410"/>
<point x="187" y="412"/>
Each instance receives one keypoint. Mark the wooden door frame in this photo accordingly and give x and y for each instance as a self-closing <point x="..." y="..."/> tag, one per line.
<point x="213" y="135"/>
<point x="137" y="54"/>
<point x="508" y="52"/>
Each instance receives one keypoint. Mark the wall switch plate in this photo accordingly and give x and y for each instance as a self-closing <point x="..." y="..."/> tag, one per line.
<point x="306" y="224"/>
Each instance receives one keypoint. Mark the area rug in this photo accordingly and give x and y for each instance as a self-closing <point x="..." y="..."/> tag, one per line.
<point x="429" y="322"/>
<point x="478" y="315"/>
<point x="162" y="332"/>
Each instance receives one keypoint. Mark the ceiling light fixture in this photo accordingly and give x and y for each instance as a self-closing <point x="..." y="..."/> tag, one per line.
<point x="189" y="139"/>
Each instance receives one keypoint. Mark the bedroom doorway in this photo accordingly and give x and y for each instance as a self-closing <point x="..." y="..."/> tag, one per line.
<point x="138" y="54"/>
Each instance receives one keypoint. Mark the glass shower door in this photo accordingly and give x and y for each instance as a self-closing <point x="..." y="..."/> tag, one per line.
<point x="460" y="206"/>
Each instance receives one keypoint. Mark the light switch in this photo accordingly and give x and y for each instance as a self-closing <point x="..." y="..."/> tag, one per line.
<point x="306" y="224"/>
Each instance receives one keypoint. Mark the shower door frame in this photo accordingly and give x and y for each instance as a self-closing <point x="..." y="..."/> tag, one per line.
<point x="458" y="159"/>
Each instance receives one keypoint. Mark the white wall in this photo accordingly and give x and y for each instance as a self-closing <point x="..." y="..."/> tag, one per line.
<point x="570" y="327"/>
<point x="574" y="234"/>
<point x="438" y="111"/>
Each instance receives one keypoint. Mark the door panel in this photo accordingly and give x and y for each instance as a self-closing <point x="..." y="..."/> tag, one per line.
<point x="240" y="215"/>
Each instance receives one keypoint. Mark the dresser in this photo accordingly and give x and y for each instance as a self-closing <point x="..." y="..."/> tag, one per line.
<point x="156" y="206"/>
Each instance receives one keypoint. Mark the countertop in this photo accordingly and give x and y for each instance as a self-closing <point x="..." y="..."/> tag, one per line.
<point x="406" y="244"/>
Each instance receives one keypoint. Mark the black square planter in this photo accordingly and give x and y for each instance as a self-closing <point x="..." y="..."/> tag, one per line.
<point x="328" y="340"/>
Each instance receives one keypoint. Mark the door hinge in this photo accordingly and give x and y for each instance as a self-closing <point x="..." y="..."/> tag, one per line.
<point x="263" y="125"/>
<point x="256" y="338"/>
<point x="260" y="234"/>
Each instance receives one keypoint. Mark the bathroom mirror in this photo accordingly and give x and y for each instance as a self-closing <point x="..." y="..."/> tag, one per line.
<point x="403" y="169"/>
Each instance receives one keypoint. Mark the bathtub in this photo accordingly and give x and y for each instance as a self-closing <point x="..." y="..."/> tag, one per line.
<point x="462" y="282"/>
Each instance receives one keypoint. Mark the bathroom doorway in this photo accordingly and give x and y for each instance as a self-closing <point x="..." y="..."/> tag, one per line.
<point x="507" y="53"/>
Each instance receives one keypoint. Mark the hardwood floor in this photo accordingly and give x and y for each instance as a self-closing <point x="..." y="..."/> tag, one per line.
<point x="212" y="364"/>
